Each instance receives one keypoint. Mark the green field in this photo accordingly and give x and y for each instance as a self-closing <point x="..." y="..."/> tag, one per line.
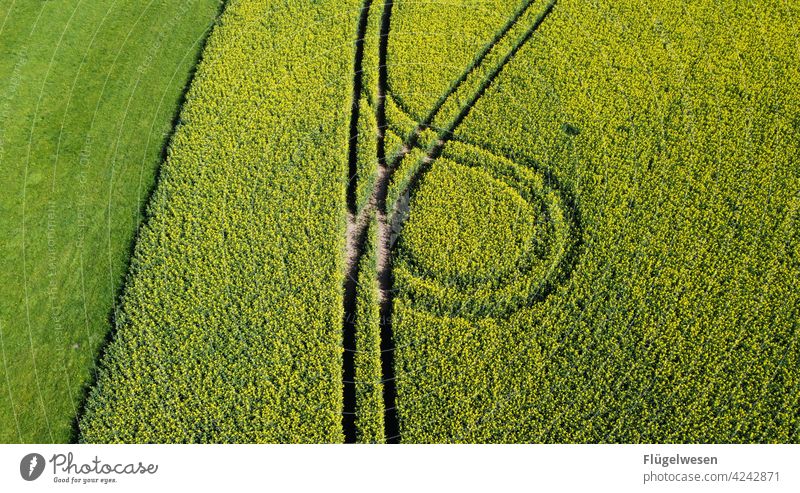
<point x="385" y="221"/>
<point x="670" y="136"/>
<point x="217" y="339"/>
<point x="88" y="93"/>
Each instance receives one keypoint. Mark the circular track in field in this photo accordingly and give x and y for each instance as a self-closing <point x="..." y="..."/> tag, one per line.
<point x="485" y="236"/>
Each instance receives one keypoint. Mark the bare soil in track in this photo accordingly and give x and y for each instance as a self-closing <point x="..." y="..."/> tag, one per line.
<point x="377" y="209"/>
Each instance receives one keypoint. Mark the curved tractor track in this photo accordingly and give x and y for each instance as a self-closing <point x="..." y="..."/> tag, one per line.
<point x="389" y="217"/>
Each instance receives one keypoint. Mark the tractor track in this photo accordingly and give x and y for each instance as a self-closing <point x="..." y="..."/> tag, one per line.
<point x="389" y="224"/>
<point x="355" y="237"/>
<point x="411" y="140"/>
<point x="435" y="150"/>
<point x="383" y="254"/>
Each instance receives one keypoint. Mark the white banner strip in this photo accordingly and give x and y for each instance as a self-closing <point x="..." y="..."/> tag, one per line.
<point x="400" y="468"/>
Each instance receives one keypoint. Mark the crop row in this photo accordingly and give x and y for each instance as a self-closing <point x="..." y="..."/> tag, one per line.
<point x="368" y="371"/>
<point x="366" y="154"/>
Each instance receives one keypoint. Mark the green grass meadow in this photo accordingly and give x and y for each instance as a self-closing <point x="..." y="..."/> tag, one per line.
<point x="88" y="93"/>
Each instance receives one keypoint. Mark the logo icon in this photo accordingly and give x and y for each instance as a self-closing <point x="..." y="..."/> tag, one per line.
<point x="31" y="467"/>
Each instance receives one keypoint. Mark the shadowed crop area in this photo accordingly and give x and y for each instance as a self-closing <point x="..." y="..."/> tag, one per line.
<point x="400" y="221"/>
